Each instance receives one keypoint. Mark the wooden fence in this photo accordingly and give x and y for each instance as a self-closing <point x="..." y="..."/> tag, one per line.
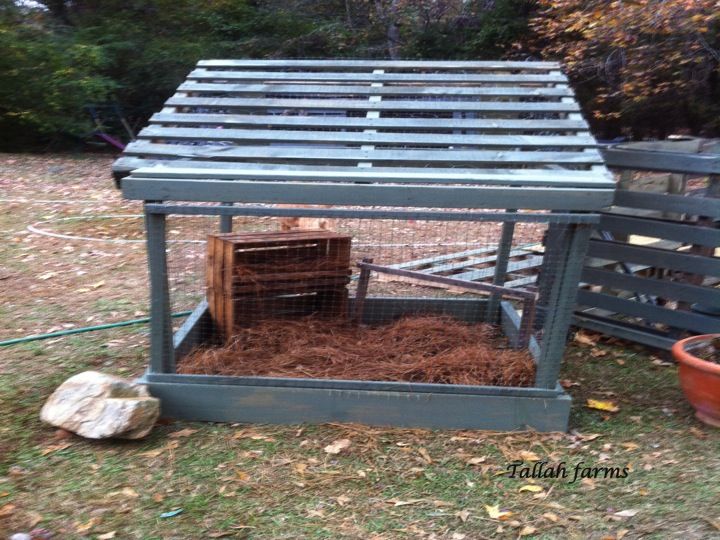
<point x="652" y="272"/>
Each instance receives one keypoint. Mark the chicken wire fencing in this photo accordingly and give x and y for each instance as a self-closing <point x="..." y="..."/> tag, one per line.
<point x="433" y="297"/>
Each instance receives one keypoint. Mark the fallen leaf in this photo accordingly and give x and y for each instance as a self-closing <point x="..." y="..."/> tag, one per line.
<point x="182" y="433"/>
<point x="242" y="476"/>
<point x="396" y="502"/>
<point x="458" y="536"/>
<point x="599" y="405"/>
<point x="97" y="285"/>
<point x="85" y="527"/>
<point x="626" y="513"/>
<point x="54" y="448"/>
<point x="463" y="515"/>
<point x="527" y="530"/>
<point x="342" y="500"/>
<point x="526" y="455"/>
<point x="300" y="468"/>
<point x="476" y="460"/>
<point x="107" y="535"/>
<point x="495" y="513"/>
<point x="220" y="534"/>
<point x="567" y="383"/>
<point x="158" y="497"/>
<point x="7" y="510"/>
<point x="152" y="453"/>
<point x="424" y="454"/>
<point x="621" y="534"/>
<point x="338" y="446"/>
<point x="533" y="488"/>
<point x="698" y="433"/>
<point x="630" y="446"/>
<point x="33" y="519"/>
<point x="597" y="353"/>
<point x="584" y="339"/>
<point x="551" y="517"/>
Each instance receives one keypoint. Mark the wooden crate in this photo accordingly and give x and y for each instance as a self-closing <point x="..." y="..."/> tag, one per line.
<point x="276" y="274"/>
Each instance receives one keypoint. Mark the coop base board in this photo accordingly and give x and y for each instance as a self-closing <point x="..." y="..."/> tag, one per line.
<point x="401" y="404"/>
<point x="234" y="401"/>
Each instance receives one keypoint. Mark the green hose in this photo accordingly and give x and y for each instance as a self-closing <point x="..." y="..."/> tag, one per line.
<point x="84" y="329"/>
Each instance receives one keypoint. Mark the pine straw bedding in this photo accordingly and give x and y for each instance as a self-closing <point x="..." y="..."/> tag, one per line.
<point x="429" y="349"/>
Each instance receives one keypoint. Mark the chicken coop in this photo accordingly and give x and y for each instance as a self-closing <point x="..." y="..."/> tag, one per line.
<point x="384" y="242"/>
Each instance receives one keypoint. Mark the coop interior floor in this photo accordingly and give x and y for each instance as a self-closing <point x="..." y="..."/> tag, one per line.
<point x="422" y="348"/>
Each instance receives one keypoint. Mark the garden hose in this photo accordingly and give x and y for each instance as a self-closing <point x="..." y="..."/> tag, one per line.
<point x="71" y="331"/>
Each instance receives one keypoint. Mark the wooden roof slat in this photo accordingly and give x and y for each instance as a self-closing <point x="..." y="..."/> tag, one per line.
<point x="511" y="177"/>
<point x="202" y="74"/>
<point x="363" y="105"/>
<point x="405" y="90"/>
<point x="438" y="134"/>
<point x="343" y="122"/>
<point x="379" y="64"/>
<point x="144" y="148"/>
<point x="355" y="137"/>
<point x="541" y="172"/>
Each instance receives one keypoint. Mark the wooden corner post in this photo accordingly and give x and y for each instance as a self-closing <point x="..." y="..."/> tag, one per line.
<point x="161" y="346"/>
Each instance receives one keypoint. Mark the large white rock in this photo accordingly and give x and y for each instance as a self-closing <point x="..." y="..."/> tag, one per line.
<point x="99" y="406"/>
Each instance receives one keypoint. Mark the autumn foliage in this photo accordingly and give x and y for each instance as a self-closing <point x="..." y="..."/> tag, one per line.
<point x="651" y="66"/>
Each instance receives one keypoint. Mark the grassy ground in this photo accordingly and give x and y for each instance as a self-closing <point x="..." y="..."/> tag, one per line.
<point x="257" y="481"/>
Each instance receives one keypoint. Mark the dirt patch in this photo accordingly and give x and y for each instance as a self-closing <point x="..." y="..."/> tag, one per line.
<point x="430" y="349"/>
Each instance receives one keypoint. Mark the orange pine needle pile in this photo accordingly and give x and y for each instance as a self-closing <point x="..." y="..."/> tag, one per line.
<point x="431" y="349"/>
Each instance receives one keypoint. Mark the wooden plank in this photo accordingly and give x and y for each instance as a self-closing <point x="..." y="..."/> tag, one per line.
<point x="343" y="122"/>
<point x="283" y="405"/>
<point x="697" y="206"/>
<point x="513" y="266"/>
<point x="634" y="333"/>
<point x="366" y="194"/>
<point x="672" y="260"/>
<point x="362" y="105"/>
<point x="510" y="321"/>
<point x="381" y="64"/>
<point x="676" y="162"/>
<point x="663" y="288"/>
<point x="328" y="155"/>
<point x="294" y="173"/>
<point x="204" y="75"/>
<point x="679" y="319"/>
<point x="658" y="228"/>
<point x="364" y="90"/>
<point x="349" y="137"/>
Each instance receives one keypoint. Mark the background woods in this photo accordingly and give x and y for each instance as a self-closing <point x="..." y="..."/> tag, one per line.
<point x="644" y="68"/>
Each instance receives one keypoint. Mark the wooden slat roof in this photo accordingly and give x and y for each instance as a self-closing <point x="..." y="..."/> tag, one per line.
<point x="346" y="124"/>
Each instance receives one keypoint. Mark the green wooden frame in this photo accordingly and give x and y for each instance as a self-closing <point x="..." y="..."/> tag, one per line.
<point x="254" y="144"/>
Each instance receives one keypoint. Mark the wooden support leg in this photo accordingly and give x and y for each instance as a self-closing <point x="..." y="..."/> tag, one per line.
<point x="161" y="347"/>
<point x="501" y="265"/>
<point x="571" y="243"/>
<point x="361" y="293"/>
<point x="226" y="221"/>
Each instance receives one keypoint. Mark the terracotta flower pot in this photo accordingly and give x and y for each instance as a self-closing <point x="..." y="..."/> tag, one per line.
<point x="699" y="379"/>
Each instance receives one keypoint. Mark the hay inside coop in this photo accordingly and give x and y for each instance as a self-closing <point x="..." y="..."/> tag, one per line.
<point x="366" y="304"/>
